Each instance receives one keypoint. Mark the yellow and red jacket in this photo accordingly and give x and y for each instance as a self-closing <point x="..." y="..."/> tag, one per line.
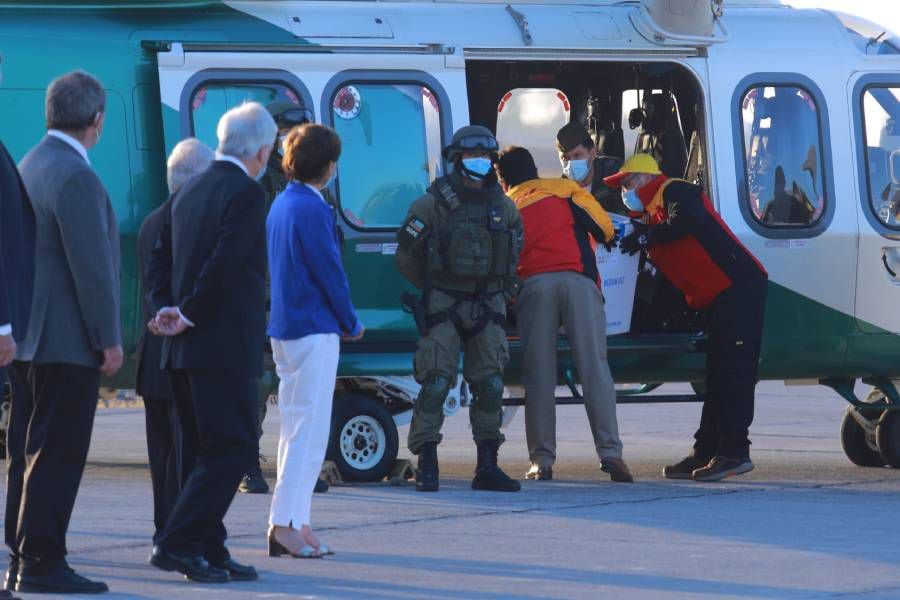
<point x="560" y="219"/>
<point x="691" y="244"/>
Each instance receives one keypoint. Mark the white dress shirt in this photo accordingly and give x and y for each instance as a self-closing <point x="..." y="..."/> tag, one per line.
<point x="317" y="192"/>
<point x="234" y="161"/>
<point x="79" y="147"/>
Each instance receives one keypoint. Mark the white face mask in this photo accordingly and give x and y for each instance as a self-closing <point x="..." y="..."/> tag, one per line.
<point x="576" y="170"/>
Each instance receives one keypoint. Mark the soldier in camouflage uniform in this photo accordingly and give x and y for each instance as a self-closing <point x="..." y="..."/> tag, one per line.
<point x="582" y="163"/>
<point x="460" y="244"/>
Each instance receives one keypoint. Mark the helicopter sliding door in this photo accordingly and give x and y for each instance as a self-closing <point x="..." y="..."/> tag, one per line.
<point x="393" y="112"/>
<point x="876" y="103"/>
<point x="785" y="194"/>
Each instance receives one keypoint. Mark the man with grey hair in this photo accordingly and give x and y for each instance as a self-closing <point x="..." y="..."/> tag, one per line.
<point x="206" y="280"/>
<point x="74" y="336"/>
<point x="189" y="158"/>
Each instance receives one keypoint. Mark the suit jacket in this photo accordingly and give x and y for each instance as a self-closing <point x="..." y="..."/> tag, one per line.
<point x="210" y="261"/>
<point x="16" y="248"/>
<point x="75" y="309"/>
<point x="152" y="382"/>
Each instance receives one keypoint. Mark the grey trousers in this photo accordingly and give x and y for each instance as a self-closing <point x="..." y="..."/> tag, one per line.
<point x="570" y="299"/>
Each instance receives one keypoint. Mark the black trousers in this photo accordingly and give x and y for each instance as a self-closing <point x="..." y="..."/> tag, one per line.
<point x="217" y="416"/>
<point x="732" y="369"/>
<point x="163" y="449"/>
<point x="53" y="407"/>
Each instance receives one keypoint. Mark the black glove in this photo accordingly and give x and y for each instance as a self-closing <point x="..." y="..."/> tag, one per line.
<point x="637" y="240"/>
<point x="611" y="243"/>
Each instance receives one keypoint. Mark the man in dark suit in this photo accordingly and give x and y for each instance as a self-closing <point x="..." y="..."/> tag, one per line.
<point x="16" y="285"/>
<point x="189" y="158"/>
<point x="207" y="285"/>
<point x="16" y="259"/>
<point x="74" y="335"/>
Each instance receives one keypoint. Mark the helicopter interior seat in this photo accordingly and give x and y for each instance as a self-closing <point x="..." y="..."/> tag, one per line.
<point x="661" y="134"/>
<point x="693" y="172"/>
<point x="611" y="141"/>
<point x="879" y="175"/>
<point x="798" y="123"/>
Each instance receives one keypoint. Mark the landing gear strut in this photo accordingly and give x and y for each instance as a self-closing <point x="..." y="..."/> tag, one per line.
<point x="870" y="430"/>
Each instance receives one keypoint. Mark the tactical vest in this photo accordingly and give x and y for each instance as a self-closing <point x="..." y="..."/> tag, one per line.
<point x="473" y="248"/>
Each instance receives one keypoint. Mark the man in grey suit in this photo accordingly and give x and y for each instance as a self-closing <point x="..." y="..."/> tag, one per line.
<point x="74" y="335"/>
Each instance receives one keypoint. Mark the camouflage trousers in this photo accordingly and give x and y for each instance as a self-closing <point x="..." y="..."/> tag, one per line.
<point x="485" y="355"/>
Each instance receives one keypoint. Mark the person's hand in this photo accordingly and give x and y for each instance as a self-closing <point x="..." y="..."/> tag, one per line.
<point x="169" y="321"/>
<point x="633" y="243"/>
<point x="354" y="338"/>
<point x="611" y="243"/>
<point x="637" y="240"/>
<point x="153" y="326"/>
<point x="7" y="349"/>
<point x="112" y="360"/>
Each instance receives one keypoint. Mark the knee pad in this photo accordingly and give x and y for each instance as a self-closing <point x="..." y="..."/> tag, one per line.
<point x="489" y="393"/>
<point x="434" y="391"/>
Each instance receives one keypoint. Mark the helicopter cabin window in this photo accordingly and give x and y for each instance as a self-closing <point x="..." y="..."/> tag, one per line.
<point x="391" y="150"/>
<point x="881" y="116"/>
<point x="530" y="118"/>
<point x="210" y="101"/>
<point x="783" y="156"/>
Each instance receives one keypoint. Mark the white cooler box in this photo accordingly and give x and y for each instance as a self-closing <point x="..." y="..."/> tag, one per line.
<point x="619" y="274"/>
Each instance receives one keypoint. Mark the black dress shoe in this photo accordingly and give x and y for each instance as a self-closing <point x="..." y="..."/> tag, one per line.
<point x="236" y="570"/>
<point x="60" y="579"/>
<point x="194" y="568"/>
<point x="321" y="486"/>
<point x="254" y="482"/>
<point x="12" y="571"/>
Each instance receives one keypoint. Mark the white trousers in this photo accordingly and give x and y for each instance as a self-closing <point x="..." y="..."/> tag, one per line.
<point x="307" y="368"/>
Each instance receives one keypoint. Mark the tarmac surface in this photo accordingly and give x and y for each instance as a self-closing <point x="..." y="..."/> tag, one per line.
<point x="805" y="524"/>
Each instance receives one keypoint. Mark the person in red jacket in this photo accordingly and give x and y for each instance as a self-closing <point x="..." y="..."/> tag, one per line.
<point x="563" y="224"/>
<point x="692" y="246"/>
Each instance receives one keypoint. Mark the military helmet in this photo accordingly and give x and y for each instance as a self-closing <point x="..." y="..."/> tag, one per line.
<point x="471" y="138"/>
<point x="288" y="114"/>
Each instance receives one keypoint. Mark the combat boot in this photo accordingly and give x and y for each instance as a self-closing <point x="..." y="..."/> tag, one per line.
<point x="427" y="473"/>
<point x="488" y="475"/>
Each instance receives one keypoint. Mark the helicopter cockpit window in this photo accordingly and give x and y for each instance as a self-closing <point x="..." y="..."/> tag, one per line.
<point x="783" y="156"/>
<point x="391" y="150"/>
<point x="881" y="118"/>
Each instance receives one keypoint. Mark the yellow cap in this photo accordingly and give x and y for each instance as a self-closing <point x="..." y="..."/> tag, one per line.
<point x="639" y="163"/>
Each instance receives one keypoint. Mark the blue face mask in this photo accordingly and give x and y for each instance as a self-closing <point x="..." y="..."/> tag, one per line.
<point x="477" y="168"/>
<point x="632" y="201"/>
<point x="576" y="170"/>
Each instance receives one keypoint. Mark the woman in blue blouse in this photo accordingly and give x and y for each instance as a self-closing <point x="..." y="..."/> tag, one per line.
<point x="310" y="313"/>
